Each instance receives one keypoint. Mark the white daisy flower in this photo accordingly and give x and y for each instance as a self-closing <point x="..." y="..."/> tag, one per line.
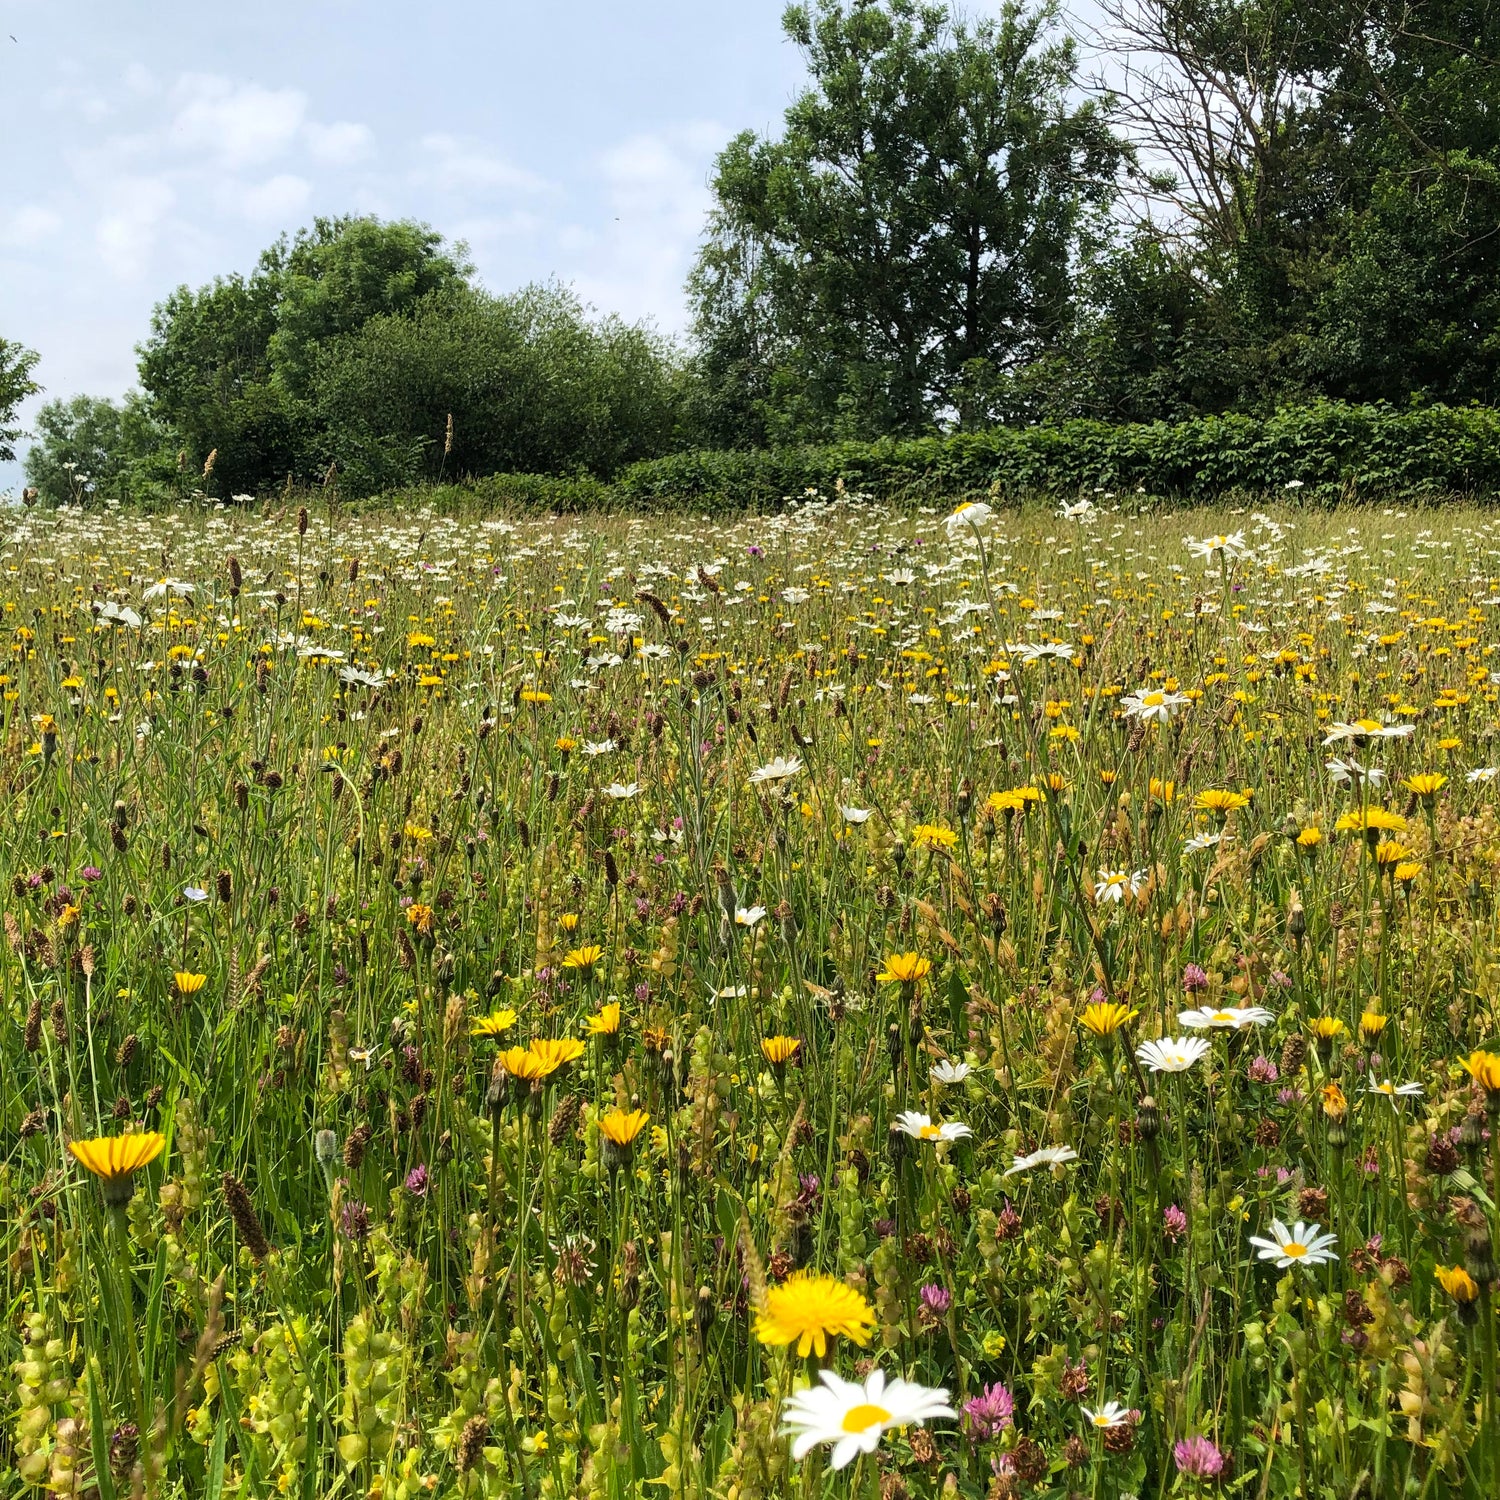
<point x="748" y="916"/>
<point x="969" y="519"/>
<point x="1483" y="775"/>
<point x="622" y="791"/>
<point x="1115" y="885"/>
<point x="1153" y="705"/>
<point x="1111" y="1414"/>
<point x="853" y="1417"/>
<point x="1048" y="1156"/>
<point x="949" y="1073"/>
<point x="1301" y="1244"/>
<point x="920" y="1128"/>
<point x="778" y="770"/>
<point x="1232" y="545"/>
<point x="1172" y="1054"/>
<point x="855" y="814"/>
<point x="1226" y="1018"/>
<point x="1392" y="1091"/>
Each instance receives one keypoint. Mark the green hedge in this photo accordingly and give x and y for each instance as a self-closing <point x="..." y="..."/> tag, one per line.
<point x="1327" y="450"/>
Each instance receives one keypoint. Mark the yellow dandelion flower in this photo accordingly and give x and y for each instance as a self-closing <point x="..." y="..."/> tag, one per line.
<point x="115" y="1159"/>
<point x="780" y="1050"/>
<point x="494" y="1024"/>
<point x="606" y="1021"/>
<point x="583" y="958"/>
<point x="188" y="984"/>
<point x="808" y="1309"/>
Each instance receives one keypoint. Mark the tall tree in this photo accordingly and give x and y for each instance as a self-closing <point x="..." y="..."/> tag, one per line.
<point x="919" y="218"/>
<point x="228" y="365"/>
<point x="16" y="384"/>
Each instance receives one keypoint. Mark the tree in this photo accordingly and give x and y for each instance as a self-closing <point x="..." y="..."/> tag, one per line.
<point x="922" y="213"/>
<point x="89" y="446"/>
<point x="16" y="384"/>
<point x="529" y="382"/>
<point x="227" y="365"/>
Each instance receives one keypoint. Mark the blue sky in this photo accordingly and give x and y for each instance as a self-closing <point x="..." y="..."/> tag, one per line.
<point x="149" y="143"/>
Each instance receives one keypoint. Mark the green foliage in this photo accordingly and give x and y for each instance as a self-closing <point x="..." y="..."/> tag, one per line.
<point x="530" y="381"/>
<point x="1325" y="450"/>
<point x="356" y="342"/>
<point x="921" y="213"/>
<point x="89" y="447"/>
<point x="16" y="384"/>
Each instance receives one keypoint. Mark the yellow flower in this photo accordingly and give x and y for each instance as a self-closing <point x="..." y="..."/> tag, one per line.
<point x="568" y="921"/>
<point x="115" y="1159"/>
<point x="621" y="1128"/>
<point x="423" y="918"/>
<point x="535" y="695"/>
<point x="1217" y="800"/>
<point x="556" y="1052"/>
<point x="933" y="836"/>
<point x="583" y="958"/>
<point x="1391" y="852"/>
<point x="67" y="917"/>
<point x="1327" y="1028"/>
<point x="808" y="1309"/>
<point x="1371" y="820"/>
<point x="1371" y="1024"/>
<point x="565" y="744"/>
<point x="1163" y="791"/>
<point x="1407" y="871"/>
<point x="494" y="1023"/>
<point x="606" y="1020"/>
<point x="1457" y="1283"/>
<point x="522" y="1062"/>
<point x="1106" y="1017"/>
<point x="1425" y="784"/>
<point x="189" y="984"/>
<point x="1335" y="1105"/>
<point x="1484" y="1068"/>
<point x="1310" y="838"/>
<point x="780" y="1050"/>
<point x="904" y="968"/>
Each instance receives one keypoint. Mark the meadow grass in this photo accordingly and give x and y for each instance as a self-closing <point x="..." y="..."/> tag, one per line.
<point x="845" y="1002"/>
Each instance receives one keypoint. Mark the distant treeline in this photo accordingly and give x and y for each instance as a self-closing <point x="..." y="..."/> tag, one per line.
<point x="953" y="231"/>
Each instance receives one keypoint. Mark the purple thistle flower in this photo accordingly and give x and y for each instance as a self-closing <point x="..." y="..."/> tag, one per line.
<point x="1198" y="1458"/>
<point x="1194" y="979"/>
<point x="990" y="1412"/>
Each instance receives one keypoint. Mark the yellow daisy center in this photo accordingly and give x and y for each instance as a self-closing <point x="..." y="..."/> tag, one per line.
<point x="1294" y="1250"/>
<point x="930" y="1132"/>
<point x="864" y="1416"/>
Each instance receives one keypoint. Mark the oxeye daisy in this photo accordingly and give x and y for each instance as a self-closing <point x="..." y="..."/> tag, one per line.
<point x="809" y="1308"/>
<point x="949" y="1073"/>
<point x="853" y="1417"/>
<point x="1047" y="1156"/>
<point x="921" y="1128"/>
<point x="1299" y="1245"/>
<point x="1225" y="1017"/>
<point x="1172" y="1054"/>
<point x="1111" y="1414"/>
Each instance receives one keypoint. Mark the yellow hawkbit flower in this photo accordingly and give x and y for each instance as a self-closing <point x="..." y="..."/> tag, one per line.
<point x="556" y="1052"/>
<point x="1425" y="784"/>
<point x="493" y="1024"/>
<point x="1327" y="1028"/>
<point x="1335" y="1105"/>
<point x="583" y="958"/>
<point x="933" y="836"/>
<point x="1371" y="1024"/>
<point x="606" y="1020"/>
<point x="422" y="918"/>
<point x="1457" y="1283"/>
<point x="1217" y="800"/>
<point x="114" y="1160"/>
<point x="904" y="968"/>
<point x="1484" y="1068"/>
<point x="622" y="1128"/>
<point x="188" y="984"/>
<point x="780" y="1050"/>
<point x="1106" y="1017"/>
<point x="522" y="1062"/>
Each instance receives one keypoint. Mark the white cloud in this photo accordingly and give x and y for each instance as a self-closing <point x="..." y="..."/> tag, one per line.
<point x="239" y="125"/>
<point x="341" y="144"/>
<point x="29" y="224"/>
<point x="127" y="233"/>
<point x="277" y="201"/>
<point x="458" y="166"/>
<point x="656" y="185"/>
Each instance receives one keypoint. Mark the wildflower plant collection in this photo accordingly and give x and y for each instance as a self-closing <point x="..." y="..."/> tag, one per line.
<point x="847" y="1001"/>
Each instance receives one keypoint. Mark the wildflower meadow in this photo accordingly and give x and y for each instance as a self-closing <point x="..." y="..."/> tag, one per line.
<point x="850" y="1001"/>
